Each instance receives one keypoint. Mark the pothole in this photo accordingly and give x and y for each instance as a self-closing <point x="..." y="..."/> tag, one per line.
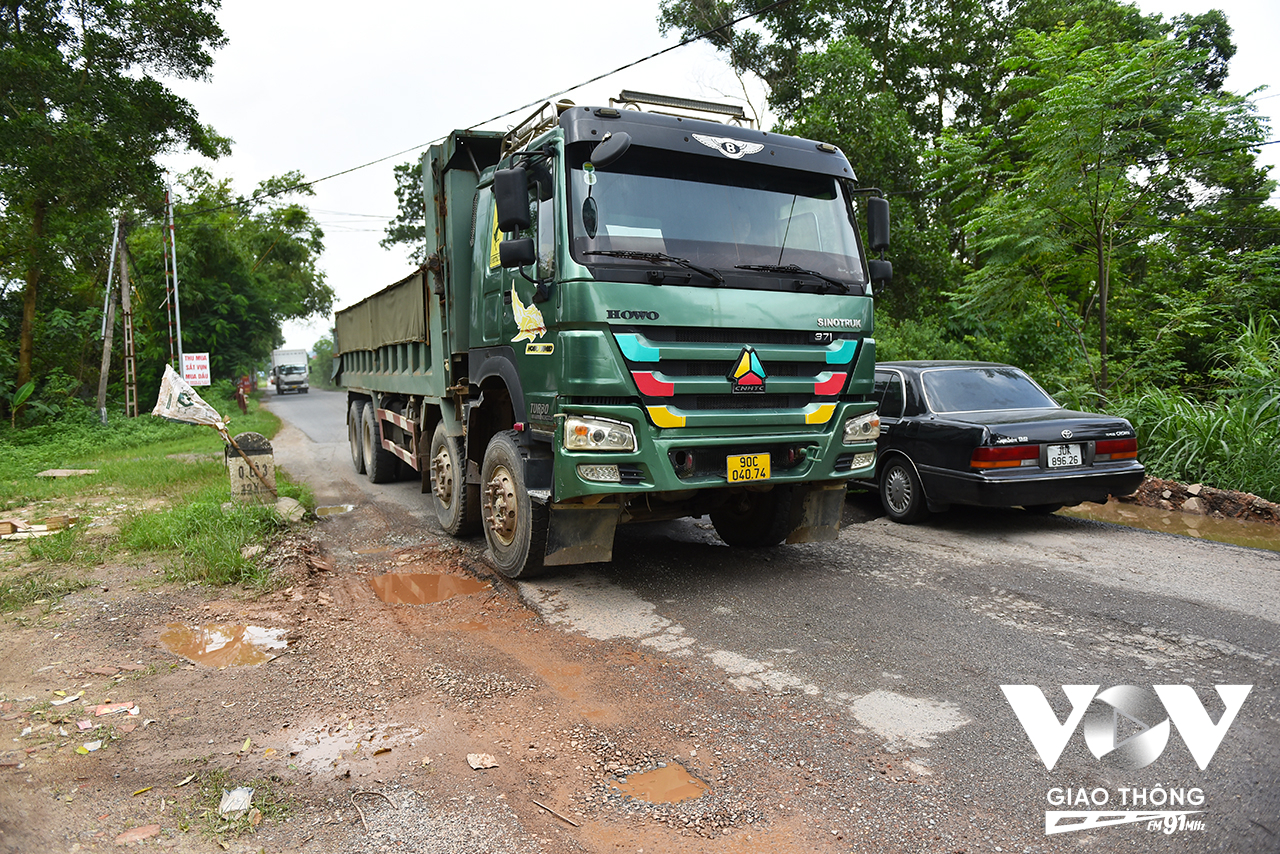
<point x="422" y="588"/>
<point x="667" y="785"/>
<point x="223" y="644"/>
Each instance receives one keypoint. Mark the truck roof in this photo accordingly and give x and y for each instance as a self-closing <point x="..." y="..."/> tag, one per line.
<point x="707" y="138"/>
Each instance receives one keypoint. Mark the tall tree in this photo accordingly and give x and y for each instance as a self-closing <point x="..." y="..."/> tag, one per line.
<point x="409" y="228"/>
<point x="245" y="267"/>
<point x="1108" y="147"/>
<point x="83" y="117"/>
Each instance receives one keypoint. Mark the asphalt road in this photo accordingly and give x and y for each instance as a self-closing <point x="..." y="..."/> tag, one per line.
<point x="909" y="632"/>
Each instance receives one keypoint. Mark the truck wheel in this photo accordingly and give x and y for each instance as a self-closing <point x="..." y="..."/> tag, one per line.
<point x="354" y="416"/>
<point x="380" y="465"/>
<point x="515" y="527"/>
<point x="456" y="502"/>
<point x="901" y="493"/>
<point x="752" y="520"/>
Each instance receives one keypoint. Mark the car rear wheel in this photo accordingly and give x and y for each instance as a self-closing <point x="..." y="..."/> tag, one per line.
<point x="901" y="493"/>
<point x="753" y="520"/>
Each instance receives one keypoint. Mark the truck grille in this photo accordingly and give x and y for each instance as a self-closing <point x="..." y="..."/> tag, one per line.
<point x="680" y="372"/>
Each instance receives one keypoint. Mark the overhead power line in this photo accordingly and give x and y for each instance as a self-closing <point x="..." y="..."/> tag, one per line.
<point x="305" y="184"/>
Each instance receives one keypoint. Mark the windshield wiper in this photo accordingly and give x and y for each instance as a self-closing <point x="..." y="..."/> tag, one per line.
<point x="709" y="272"/>
<point x="794" y="270"/>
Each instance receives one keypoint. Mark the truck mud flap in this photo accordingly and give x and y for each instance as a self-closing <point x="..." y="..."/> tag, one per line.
<point x="580" y="533"/>
<point x="816" y="518"/>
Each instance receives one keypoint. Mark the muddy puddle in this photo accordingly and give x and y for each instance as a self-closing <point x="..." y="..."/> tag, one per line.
<point x="329" y="745"/>
<point x="223" y="645"/>
<point x="668" y="785"/>
<point x="1255" y="535"/>
<point x="334" y="510"/>
<point x="422" y="588"/>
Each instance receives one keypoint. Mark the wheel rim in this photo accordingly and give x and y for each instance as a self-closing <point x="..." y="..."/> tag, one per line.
<point x="897" y="490"/>
<point x="442" y="473"/>
<point x="501" y="503"/>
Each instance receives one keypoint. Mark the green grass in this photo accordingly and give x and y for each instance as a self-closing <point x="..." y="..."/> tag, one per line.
<point x="205" y="537"/>
<point x="17" y="591"/>
<point x="67" y="547"/>
<point x="196" y="533"/>
<point x="1229" y="435"/>
<point x="269" y="798"/>
<point x="127" y="451"/>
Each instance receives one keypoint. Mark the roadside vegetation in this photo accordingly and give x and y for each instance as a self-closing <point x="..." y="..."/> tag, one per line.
<point x="1075" y="190"/>
<point x="160" y="495"/>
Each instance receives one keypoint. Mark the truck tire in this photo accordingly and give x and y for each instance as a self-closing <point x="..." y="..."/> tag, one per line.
<point x="515" y="527"/>
<point x="753" y="520"/>
<point x="354" y="422"/>
<point x="456" y="502"/>
<point x="380" y="465"/>
<point x="901" y="493"/>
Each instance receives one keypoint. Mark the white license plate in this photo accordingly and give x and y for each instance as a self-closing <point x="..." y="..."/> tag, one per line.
<point x="1062" y="456"/>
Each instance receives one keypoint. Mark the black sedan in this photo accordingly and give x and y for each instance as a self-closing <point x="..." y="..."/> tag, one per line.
<point x="986" y="434"/>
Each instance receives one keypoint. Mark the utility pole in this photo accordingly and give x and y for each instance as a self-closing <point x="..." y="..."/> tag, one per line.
<point x="130" y="362"/>
<point x="109" y="319"/>
<point x="171" y="281"/>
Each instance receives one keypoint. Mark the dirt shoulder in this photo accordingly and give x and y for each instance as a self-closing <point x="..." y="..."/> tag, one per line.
<point x="1202" y="500"/>
<point x="356" y="736"/>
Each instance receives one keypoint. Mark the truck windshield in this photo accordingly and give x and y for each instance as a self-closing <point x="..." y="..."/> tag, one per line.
<point x="754" y="224"/>
<point x="291" y="370"/>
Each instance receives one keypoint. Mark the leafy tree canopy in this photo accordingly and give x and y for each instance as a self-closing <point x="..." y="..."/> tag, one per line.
<point x="83" y="117"/>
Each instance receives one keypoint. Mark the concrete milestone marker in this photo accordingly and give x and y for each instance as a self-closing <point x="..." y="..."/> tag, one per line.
<point x="247" y="484"/>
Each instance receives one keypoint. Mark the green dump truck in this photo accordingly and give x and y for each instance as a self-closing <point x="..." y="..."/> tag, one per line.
<point x="626" y="315"/>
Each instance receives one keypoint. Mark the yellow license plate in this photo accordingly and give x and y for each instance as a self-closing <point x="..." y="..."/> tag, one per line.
<point x="745" y="467"/>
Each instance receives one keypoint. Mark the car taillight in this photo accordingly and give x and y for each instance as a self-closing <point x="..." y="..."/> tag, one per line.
<point x="1116" y="449"/>
<point x="1005" y="456"/>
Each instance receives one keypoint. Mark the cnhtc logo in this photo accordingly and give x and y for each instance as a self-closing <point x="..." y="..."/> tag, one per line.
<point x="1124" y="726"/>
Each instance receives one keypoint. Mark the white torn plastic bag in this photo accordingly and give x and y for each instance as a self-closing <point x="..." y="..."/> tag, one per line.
<point x="235" y="803"/>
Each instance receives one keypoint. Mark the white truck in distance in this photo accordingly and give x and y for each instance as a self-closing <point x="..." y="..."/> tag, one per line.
<point x="289" y="370"/>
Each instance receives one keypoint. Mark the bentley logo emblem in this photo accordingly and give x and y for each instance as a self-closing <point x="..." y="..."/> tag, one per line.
<point x="1066" y="434"/>
<point x="729" y="147"/>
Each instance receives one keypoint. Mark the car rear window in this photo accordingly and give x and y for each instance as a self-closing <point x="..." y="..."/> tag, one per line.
<point x="974" y="389"/>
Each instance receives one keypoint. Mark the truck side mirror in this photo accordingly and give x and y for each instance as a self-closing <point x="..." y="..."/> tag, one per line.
<point x="609" y="150"/>
<point x="517" y="253"/>
<point x="878" y="223"/>
<point x="511" y="196"/>
<point x="881" y="272"/>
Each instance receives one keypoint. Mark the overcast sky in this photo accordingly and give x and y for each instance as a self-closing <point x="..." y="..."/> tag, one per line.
<point x="322" y="86"/>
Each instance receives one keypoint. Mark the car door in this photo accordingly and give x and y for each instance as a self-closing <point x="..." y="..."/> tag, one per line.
<point x="890" y="402"/>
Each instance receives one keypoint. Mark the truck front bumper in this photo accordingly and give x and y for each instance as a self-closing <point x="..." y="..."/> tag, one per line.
<point x="680" y="459"/>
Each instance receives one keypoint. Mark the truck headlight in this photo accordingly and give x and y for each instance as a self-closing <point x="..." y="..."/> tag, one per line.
<point x="862" y="428"/>
<point x="582" y="433"/>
